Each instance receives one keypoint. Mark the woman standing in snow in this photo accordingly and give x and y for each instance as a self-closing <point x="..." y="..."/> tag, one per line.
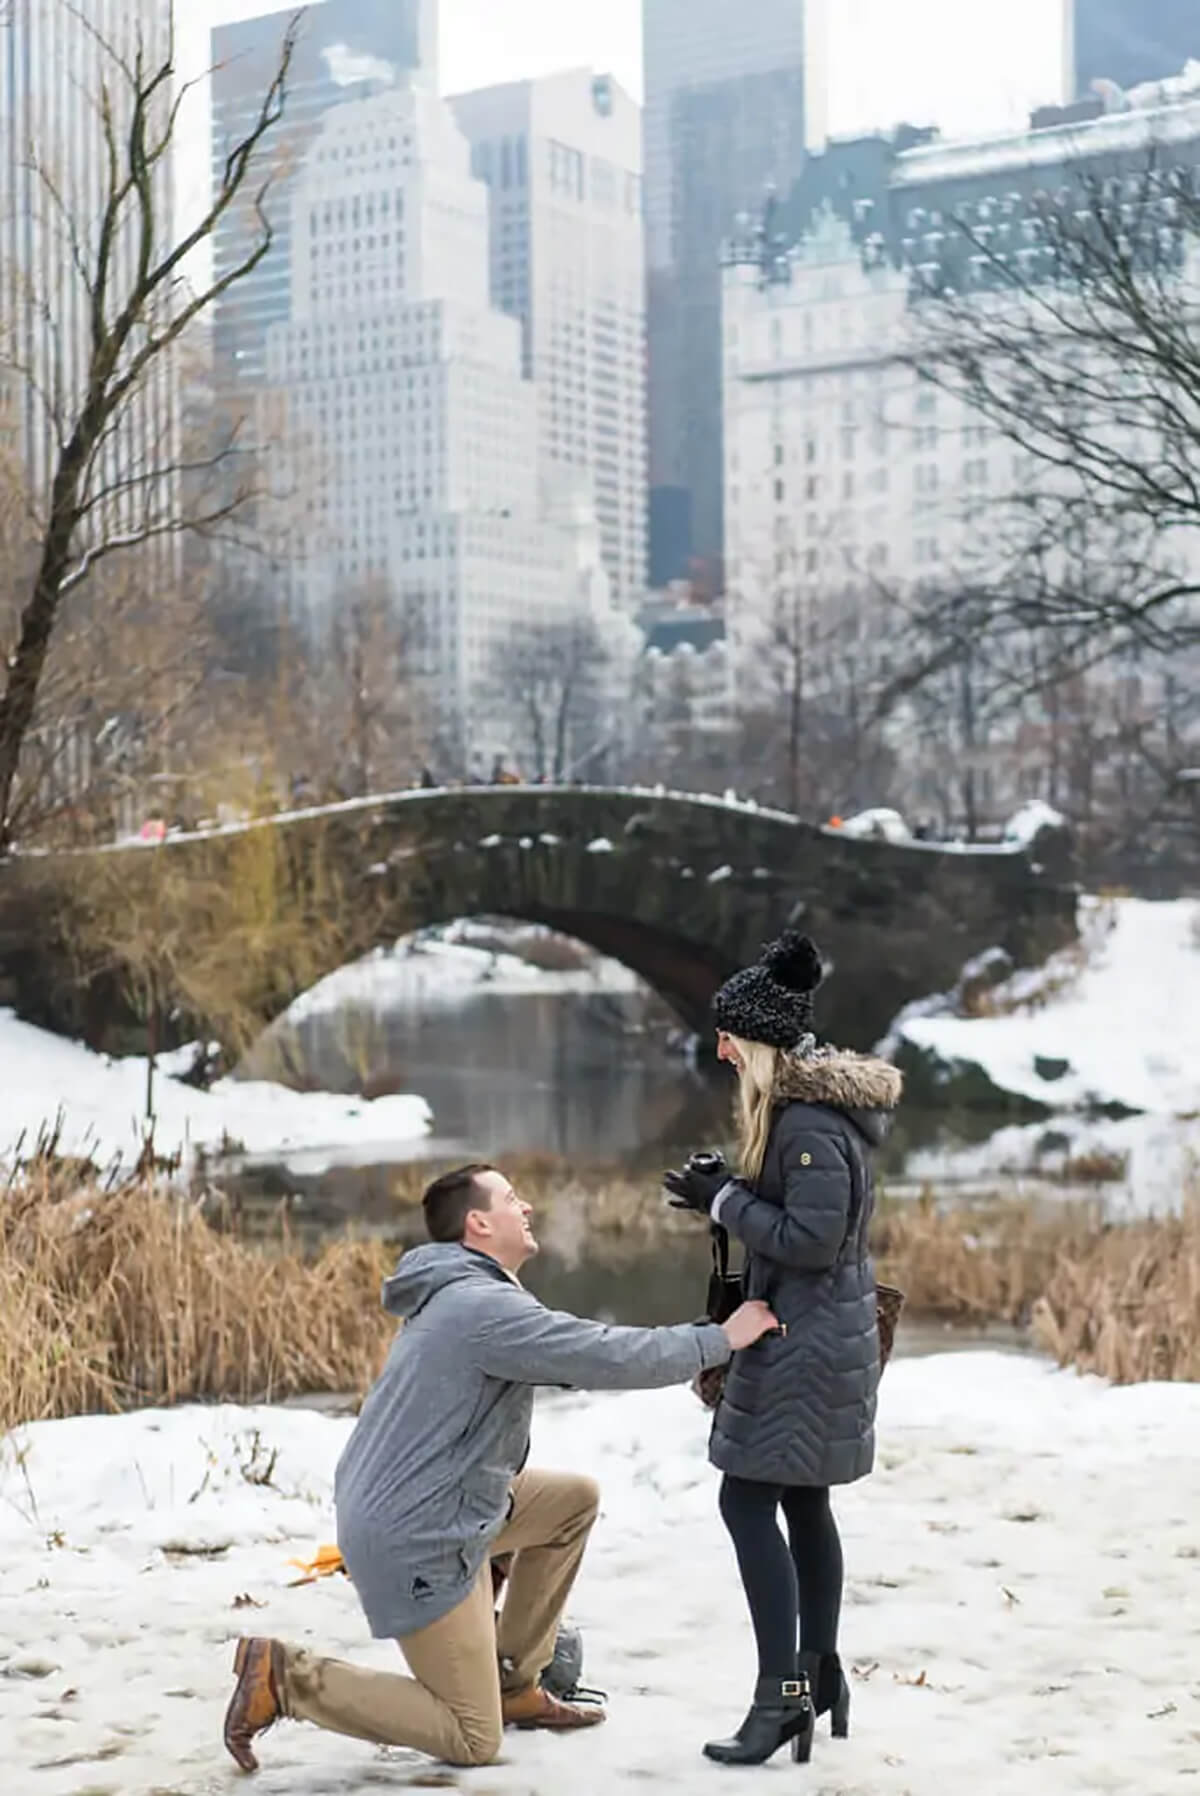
<point x="798" y="1410"/>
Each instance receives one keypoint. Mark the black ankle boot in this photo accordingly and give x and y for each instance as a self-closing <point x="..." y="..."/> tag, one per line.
<point x="782" y="1711"/>
<point x="830" y="1691"/>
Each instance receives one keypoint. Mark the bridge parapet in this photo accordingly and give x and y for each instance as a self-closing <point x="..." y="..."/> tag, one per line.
<point x="681" y="889"/>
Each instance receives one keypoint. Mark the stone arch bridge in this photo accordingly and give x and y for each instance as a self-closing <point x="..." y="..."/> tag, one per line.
<point x="681" y="889"/>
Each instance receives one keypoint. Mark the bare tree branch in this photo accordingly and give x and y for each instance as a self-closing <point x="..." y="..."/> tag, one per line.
<point x="138" y="311"/>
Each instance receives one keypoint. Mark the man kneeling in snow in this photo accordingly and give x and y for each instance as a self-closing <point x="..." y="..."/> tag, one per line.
<point x="432" y="1486"/>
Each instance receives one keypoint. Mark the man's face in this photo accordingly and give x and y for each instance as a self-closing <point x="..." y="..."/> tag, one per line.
<point x="501" y="1230"/>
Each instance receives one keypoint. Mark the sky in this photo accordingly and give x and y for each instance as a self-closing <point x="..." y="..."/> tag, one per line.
<point x="926" y="60"/>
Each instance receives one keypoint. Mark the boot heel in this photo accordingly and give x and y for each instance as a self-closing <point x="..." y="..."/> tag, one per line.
<point x="802" y="1743"/>
<point x="840" y="1717"/>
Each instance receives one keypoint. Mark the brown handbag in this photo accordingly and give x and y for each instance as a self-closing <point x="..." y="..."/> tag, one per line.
<point x="725" y="1295"/>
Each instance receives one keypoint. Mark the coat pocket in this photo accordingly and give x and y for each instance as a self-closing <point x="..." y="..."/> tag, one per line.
<point x="486" y="1496"/>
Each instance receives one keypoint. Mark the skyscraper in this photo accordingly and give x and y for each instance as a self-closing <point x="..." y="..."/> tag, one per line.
<point x="53" y="64"/>
<point x="729" y="94"/>
<point x="347" y="48"/>
<point x="1130" y="41"/>
<point x="562" y="158"/>
<point x="404" y="417"/>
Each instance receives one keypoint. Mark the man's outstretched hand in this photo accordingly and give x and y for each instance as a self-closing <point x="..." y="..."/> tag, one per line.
<point x="749" y="1324"/>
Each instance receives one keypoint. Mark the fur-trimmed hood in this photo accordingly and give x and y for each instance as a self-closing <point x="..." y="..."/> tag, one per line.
<point x="864" y="1087"/>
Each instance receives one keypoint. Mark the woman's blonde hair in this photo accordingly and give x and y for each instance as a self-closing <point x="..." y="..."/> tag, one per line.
<point x="754" y="1102"/>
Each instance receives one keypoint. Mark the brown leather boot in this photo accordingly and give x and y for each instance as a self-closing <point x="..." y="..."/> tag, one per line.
<point x="256" y="1702"/>
<point x="536" y="1707"/>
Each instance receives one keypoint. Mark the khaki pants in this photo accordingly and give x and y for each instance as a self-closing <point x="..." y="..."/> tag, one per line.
<point x="451" y="1706"/>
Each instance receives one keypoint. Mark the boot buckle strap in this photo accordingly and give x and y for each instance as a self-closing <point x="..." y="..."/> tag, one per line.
<point x="794" y="1687"/>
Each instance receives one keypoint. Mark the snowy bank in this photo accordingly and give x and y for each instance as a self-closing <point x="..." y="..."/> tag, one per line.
<point x="1022" y="1607"/>
<point x="1114" y="1024"/>
<point x="102" y="1106"/>
<point x="1153" y="1162"/>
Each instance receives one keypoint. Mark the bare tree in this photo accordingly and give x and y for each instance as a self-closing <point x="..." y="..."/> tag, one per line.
<point x="369" y="695"/>
<point x="133" y="287"/>
<point x="547" y="678"/>
<point x="1070" y="326"/>
<point x="816" y="698"/>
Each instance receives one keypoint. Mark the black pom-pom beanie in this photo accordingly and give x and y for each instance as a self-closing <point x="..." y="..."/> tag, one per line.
<point x="772" y="1001"/>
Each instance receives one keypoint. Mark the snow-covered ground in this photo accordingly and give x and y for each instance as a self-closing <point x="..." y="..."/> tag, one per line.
<point x="1022" y="1608"/>
<point x="102" y="1104"/>
<point x="1119" y="1027"/>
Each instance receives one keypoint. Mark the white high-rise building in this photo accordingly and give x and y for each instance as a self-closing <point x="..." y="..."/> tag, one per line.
<point x="832" y="479"/>
<point x="406" y="419"/>
<point x="345" y="50"/>
<point x="562" y="158"/>
<point x="54" y="64"/>
<point x="853" y="487"/>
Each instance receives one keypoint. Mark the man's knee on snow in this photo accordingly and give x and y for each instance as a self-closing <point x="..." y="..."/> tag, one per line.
<point x="588" y="1504"/>
<point x="481" y="1741"/>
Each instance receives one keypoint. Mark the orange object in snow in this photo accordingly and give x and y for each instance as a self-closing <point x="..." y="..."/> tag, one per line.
<point x="328" y="1561"/>
<point x="835" y="823"/>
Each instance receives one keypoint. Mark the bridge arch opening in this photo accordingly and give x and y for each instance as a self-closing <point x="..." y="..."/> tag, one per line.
<point x="358" y="1028"/>
<point x="521" y="1039"/>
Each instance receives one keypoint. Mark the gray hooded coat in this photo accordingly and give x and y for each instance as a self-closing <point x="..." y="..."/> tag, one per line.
<point x="800" y="1409"/>
<point x="423" y="1486"/>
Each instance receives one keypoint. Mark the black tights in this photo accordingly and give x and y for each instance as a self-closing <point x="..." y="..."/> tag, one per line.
<point x="796" y="1592"/>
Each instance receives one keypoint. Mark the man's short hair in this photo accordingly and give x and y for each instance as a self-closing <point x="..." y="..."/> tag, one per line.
<point x="450" y="1197"/>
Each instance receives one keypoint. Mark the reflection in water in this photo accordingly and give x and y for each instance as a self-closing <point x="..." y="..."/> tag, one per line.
<point x="590" y="1077"/>
<point x="583" y="1075"/>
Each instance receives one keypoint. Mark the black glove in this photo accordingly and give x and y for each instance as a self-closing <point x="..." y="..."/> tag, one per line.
<point x="698" y="1184"/>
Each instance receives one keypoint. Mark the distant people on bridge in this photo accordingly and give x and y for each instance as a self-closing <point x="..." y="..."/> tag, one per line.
<point x="433" y="1486"/>
<point x="502" y="775"/>
<point x="797" y="1412"/>
<point x="428" y="781"/>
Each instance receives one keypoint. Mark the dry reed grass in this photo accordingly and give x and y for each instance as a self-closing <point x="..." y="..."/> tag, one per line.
<point x="123" y="1299"/>
<point x="1128" y="1309"/>
<point x="980" y="1262"/>
<point x="117" y="1300"/>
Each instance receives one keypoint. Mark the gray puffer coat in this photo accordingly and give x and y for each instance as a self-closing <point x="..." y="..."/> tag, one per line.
<point x="799" y="1409"/>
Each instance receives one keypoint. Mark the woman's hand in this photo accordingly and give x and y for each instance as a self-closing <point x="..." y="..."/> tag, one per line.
<point x="697" y="1185"/>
